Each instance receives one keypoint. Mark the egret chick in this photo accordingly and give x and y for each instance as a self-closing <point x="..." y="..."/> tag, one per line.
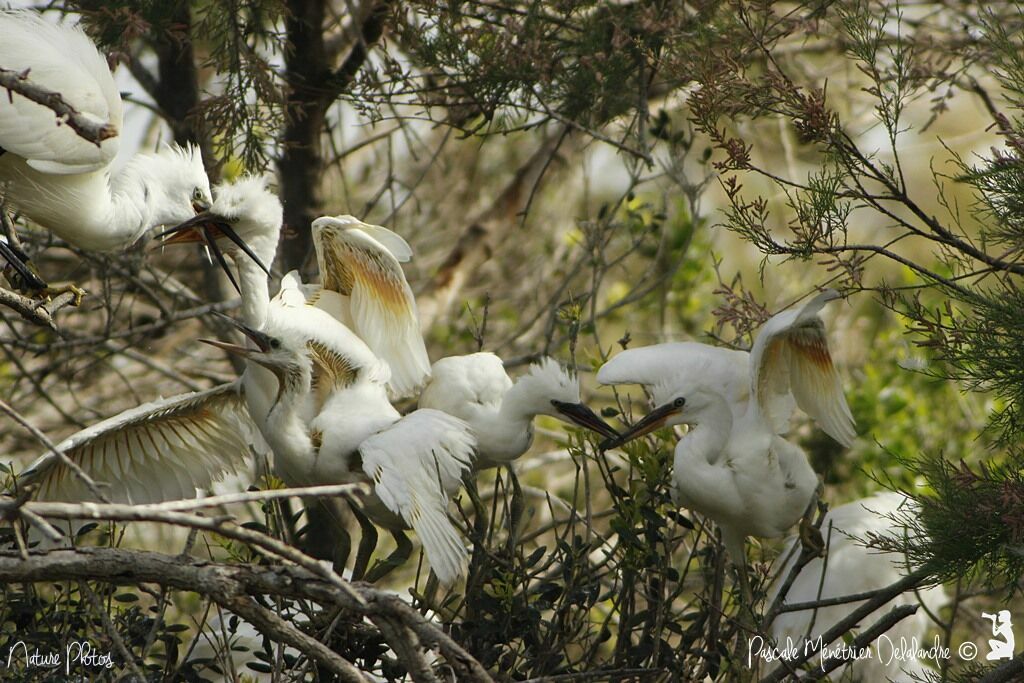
<point x="851" y="568"/>
<point x="733" y="465"/>
<point x="415" y="462"/>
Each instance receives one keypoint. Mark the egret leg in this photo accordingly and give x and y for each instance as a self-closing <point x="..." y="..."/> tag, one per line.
<point x="396" y="559"/>
<point x="18" y="272"/>
<point x="324" y="536"/>
<point x="367" y="543"/>
<point x="515" y="513"/>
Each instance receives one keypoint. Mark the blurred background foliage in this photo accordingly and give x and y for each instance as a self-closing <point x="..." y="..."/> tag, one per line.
<point x="576" y="177"/>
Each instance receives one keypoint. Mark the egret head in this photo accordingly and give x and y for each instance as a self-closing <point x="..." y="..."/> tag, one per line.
<point x="244" y="221"/>
<point x="174" y="183"/>
<point x="677" y="401"/>
<point x="284" y="357"/>
<point x="549" y="390"/>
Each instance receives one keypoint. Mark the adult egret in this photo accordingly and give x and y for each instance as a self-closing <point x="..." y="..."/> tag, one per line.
<point x="415" y="462"/>
<point x="363" y="284"/>
<point x="851" y="568"/>
<point x="62" y="181"/>
<point x="733" y="465"/>
<point x="476" y="388"/>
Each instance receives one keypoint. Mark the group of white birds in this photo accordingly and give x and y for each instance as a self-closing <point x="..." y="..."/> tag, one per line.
<point x="325" y="362"/>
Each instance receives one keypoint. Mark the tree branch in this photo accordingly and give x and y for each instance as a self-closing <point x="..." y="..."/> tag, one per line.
<point x="87" y="129"/>
<point x="229" y="584"/>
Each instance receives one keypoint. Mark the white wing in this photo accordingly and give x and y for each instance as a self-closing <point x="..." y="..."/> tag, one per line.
<point x="64" y="60"/>
<point x="416" y="463"/>
<point x="464" y="385"/>
<point x="381" y="303"/>
<point x="159" y="451"/>
<point x="725" y="370"/>
<point x="790" y="361"/>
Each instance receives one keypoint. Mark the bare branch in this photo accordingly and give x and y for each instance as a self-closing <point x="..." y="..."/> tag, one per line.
<point x="87" y="129"/>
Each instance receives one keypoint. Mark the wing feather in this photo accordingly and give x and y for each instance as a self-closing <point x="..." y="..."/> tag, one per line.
<point x="381" y="303"/>
<point x="724" y="370"/>
<point x="791" y="364"/>
<point x="159" y="451"/>
<point x="416" y="464"/>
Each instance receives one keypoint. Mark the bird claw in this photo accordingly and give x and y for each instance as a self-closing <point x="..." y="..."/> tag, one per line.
<point x="52" y="293"/>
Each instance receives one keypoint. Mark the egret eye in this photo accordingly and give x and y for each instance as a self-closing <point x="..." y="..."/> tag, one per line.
<point x="275" y="343"/>
<point x="197" y="194"/>
<point x="679" y="402"/>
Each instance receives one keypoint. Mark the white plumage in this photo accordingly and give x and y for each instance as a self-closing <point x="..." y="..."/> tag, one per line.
<point x="362" y="263"/>
<point x="733" y="465"/>
<point x="415" y="462"/>
<point x="62" y="181"/>
<point x="364" y="286"/>
<point x="163" y="450"/>
<point x="476" y="388"/>
<point x="854" y="568"/>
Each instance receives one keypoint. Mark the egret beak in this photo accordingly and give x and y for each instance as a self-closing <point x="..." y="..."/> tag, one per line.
<point x="262" y="340"/>
<point x="258" y="355"/>
<point x="652" y="421"/>
<point x="580" y="414"/>
<point x="206" y="227"/>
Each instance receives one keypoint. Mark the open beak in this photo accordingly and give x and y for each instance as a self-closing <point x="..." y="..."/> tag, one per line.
<point x="652" y="421"/>
<point x="257" y="355"/>
<point x="580" y="414"/>
<point x="206" y="227"/>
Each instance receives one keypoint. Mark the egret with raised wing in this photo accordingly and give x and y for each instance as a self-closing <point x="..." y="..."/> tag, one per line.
<point x="363" y="287"/>
<point x="732" y="465"/>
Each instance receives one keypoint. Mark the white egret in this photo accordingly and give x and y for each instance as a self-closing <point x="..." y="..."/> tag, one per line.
<point x="62" y="181"/>
<point x="732" y="465"/>
<point x="476" y="388"/>
<point x="852" y="568"/>
<point x="342" y="367"/>
<point x="415" y="462"/>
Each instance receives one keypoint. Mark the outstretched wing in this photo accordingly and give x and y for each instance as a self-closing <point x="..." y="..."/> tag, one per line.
<point x="353" y="262"/>
<point x="160" y="451"/>
<point x="415" y="465"/>
<point x="61" y="59"/>
<point x="791" y="361"/>
<point x="724" y="370"/>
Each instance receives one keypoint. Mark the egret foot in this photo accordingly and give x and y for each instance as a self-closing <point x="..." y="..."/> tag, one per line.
<point x="396" y="559"/>
<point x="52" y="292"/>
<point x="367" y="543"/>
